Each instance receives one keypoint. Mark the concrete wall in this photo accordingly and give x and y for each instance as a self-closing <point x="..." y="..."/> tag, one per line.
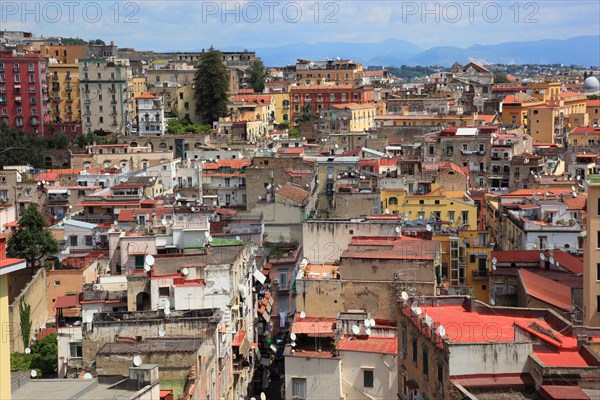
<point x="324" y="298"/>
<point x="324" y="241"/>
<point x="283" y="223"/>
<point x="488" y="358"/>
<point x="171" y="365"/>
<point x="34" y="294"/>
<point x="385" y="374"/>
<point x="323" y="376"/>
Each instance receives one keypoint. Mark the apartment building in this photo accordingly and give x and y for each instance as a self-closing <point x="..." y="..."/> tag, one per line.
<point x="150" y="115"/>
<point x="591" y="255"/>
<point x="332" y="72"/>
<point x="24" y="92"/>
<point x="65" y="104"/>
<point x="107" y="104"/>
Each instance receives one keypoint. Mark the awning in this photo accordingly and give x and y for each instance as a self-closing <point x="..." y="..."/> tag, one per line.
<point x="66" y="301"/>
<point x="239" y="338"/>
<point x="245" y="347"/>
<point x="58" y="191"/>
<point x="259" y="276"/>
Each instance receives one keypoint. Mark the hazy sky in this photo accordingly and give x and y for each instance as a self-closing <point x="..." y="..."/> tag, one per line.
<point x="191" y="25"/>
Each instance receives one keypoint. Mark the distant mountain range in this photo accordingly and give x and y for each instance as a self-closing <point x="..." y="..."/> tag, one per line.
<point x="583" y="50"/>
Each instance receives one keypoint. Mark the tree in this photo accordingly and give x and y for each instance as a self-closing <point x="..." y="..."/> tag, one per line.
<point x="18" y="148"/>
<point x="500" y="78"/>
<point x="44" y="354"/>
<point x="32" y="240"/>
<point x="212" y="84"/>
<point x="58" y="141"/>
<point x="257" y="76"/>
<point x="25" y="317"/>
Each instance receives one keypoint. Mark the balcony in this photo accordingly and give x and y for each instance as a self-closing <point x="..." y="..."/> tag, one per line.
<point x="69" y="88"/>
<point x="58" y="198"/>
<point x="69" y="100"/>
<point x="87" y="101"/>
<point x="480" y="274"/>
<point x="68" y="77"/>
<point x="113" y="102"/>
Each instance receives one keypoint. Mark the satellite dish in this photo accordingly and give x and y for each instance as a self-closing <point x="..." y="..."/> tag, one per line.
<point x="551" y="260"/>
<point x="302" y="314"/>
<point x="493" y="267"/>
<point x="150" y="260"/>
<point x="492" y="302"/>
<point x="263" y="396"/>
<point x="161" y="332"/>
<point x="259" y="197"/>
<point x="441" y="330"/>
<point x="185" y="271"/>
<point x="177" y="196"/>
<point x="87" y="375"/>
<point x="116" y="222"/>
<point x="147" y="268"/>
<point x="355" y="329"/>
<point x="387" y="210"/>
<point x="137" y="361"/>
<point x="210" y="239"/>
<point x="336" y="146"/>
<point x="428" y="227"/>
<point x="418" y="311"/>
<point x="207" y="234"/>
<point x="367" y="322"/>
<point x="193" y="209"/>
<point x="542" y="257"/>
<point x="397" y="229"/>
<point x="164" y="221"/>
<point x="27" y="350"/>
<point x="404" y="296"/>
<point x="368" y="331"/>
<point x="167" y="310"/>
<point x="33" y="373"/>
<point x="293" y="336"/>
<point x="494" y="260"/>
<point x="372" y="322"/>
<point x="293" y="344"/>
<point x="573" y="188"/>
<point x="273" y="348"/>
<point x="428" y="320"/>
<point x="414" y="306"/>
<point x="237" y="238"/>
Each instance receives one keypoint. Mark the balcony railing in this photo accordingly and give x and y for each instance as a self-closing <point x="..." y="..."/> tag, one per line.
<point x="480" y="274"/>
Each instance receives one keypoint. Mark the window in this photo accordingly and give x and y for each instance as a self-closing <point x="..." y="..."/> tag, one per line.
<point x="425" y="364"/>
<point x="298" y="388"/>
<point x="75" y="350"/>
<point x="393" y="200"/>
<point x="597" y="303"/>
<point x="73" y="240"/>
<point x="368" y="378"/>
<point x="451" y="216"/>
<point x="283" y="279"/>
<point x="598" y="271"/>
<point x="465" y="217"/>
<point x="56" y="283"/>
<point x="164" y="291"/>
<point x="414" y="349"/>
<point x="88" y="240"/>
<point x="440" y="378"/>
<point x="139" y="261"/>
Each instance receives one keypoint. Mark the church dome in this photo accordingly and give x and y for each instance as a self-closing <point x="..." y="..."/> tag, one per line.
<point x="591" y="84"/>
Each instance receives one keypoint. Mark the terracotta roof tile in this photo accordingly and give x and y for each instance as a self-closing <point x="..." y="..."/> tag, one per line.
<point x="294" y="193"/>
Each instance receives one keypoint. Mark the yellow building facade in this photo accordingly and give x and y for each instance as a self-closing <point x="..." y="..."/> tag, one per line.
<point x="7" y="266"/>
<point x="282" y="107"/>
<point x="456" y="211"/>
<point x="63" y="85"/>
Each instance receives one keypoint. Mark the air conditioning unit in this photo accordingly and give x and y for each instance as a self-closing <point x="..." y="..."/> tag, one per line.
<point x="397" y="275"/>
<point x="276" y="281"/>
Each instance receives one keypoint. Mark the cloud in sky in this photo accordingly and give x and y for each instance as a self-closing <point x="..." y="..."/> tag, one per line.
<point x="193" y="24"/>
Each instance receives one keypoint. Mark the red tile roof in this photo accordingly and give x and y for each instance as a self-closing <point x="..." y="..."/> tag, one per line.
<point x="546" y="290"/>
<point x="571" y="94"/>
<point x="66" y="301"/>
<point x="383" y="345"/>
<point x="586" y="129"/>
<point x="146" y="95"/>
<point x="313" y="326"/>
<point x="234" y="164"/>
<point x="294" y="193"/>
<point x="290" y="150"/>
<point x="592" y="103"/>
<point x="562" y="392"/>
